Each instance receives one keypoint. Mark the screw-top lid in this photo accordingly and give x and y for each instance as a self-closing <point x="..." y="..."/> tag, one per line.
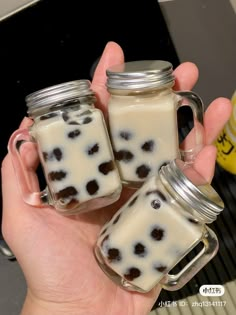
<point x="140" y="75"/>
<point x="193" y="189"/>
<point x="58" y="94"/>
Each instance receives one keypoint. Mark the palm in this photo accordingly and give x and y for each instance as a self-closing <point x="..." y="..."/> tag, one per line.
<point x="61" y="248"/>
<point x="56" y="252"/>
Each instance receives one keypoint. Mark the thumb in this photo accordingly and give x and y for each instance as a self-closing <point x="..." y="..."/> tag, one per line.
<point x="10" y="190"/>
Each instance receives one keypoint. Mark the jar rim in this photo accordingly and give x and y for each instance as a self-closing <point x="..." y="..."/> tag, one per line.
<point x="140" y="74"/>
<point x="58" y="93"/>
<point x="193" y="189"/>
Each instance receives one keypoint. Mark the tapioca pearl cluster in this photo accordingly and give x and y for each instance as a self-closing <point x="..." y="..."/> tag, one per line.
<point x="125" y="155"/>
<point x="55" y="154"/>
<point x="93" y="149"/>
<point x="139" y="248"/>
<point x="104" y="169"/>
<point x="74" y="133"/>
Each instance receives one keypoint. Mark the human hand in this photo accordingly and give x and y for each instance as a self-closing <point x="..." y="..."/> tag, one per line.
<point x="56" y="252"/>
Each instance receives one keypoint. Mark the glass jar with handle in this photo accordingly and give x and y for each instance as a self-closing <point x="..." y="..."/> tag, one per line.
<point x="73" y="145"/>
<point x="157" y="227"/>
<point x="143" y="120"/>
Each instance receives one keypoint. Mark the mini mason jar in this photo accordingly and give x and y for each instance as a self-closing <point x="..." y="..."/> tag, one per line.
<point x="157" y="227"/>
<point x="73" y="147"/>
<point x="143" y="119"/>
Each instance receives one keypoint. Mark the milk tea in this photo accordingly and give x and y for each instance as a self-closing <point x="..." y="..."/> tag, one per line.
<point x="144" y="134"/>
<point x="77" y="158"/>
<point x="146" y="238"/>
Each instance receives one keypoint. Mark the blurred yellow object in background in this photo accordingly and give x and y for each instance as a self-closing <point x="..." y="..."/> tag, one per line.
<point x="226" y="142"/>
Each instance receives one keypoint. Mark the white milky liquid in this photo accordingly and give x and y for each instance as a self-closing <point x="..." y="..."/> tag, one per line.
<point x="144" y="134"/>
<point x="77" y="158"/>
<point x="147" y="237"/>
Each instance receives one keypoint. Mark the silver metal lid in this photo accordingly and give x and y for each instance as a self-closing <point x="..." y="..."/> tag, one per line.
<point x="140" y="75"/>
<point x="59" y="93"/>
<point x="193" y="189"/>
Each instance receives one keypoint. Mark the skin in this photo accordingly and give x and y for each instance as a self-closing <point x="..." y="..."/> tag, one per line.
<point x="56" y="252"/>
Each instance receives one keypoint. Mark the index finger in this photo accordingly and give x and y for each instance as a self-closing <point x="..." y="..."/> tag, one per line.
<point x="186" y="76"/>
<point x="112" y="54"/>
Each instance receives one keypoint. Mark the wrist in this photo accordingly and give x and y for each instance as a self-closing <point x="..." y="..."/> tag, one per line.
<point x="34" y="306"/>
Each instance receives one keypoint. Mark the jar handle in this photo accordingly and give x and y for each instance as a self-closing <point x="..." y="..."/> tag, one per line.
<point x="210" y="247"/>
<point x="193" y="143"/>
<point x="26" y="177"/>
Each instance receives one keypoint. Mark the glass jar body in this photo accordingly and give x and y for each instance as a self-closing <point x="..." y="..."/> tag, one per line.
<point x="144" y="131"/>
<point x="147" y="237"/>
<point x="76" y="156"/>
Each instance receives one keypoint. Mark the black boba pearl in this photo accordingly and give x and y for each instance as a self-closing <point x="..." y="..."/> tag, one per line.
<point x="106" y="167"/>
<point x="66" y="192"/>
<point x="142" y="171"/>
<point x="159" y="267"/>
<point x="65" y="116"/>
<point x="132" y="273"/>
<point x="57" y="153"/>
<point x="124" y="155"/>
<point x="126" y="135"/>
<point x="92" y="187"/>
<point x="140" y="250"/>
<point x="156" y="204"/>
<point x="56" y="175"/>
<point x="148" y="146"/>
<point x="114" y="254"/>
<point x="87" y="120"/>
<point x="157" y="233"/>
<point x="73" y="134"/>
<point x="86" y="112"/>
<point x="93" y="149"/>
<point x="73" y="122"/>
